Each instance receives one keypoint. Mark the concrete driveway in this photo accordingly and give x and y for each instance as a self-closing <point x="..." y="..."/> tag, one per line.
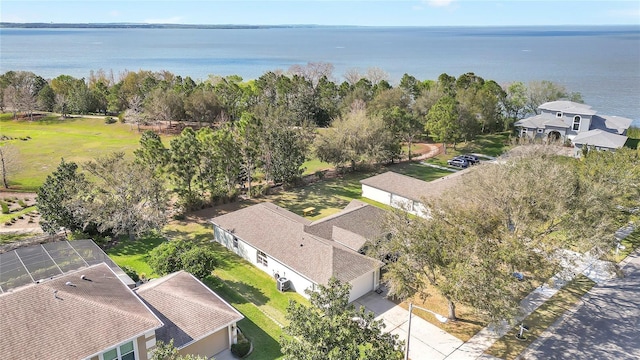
<point x="604" y="326"/>
<point x="427" y="340"/>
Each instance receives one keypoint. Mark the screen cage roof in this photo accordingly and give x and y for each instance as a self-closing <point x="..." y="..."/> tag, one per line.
<point x="35" y="263"/>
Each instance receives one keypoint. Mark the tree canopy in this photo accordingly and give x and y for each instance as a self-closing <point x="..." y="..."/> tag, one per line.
<point x="331" y="328"/>
<point x="520" y="215"/>
<point x="121" y="198"/>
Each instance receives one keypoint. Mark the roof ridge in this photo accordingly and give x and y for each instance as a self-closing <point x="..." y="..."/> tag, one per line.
<point x="108" y="306"/>
<point x="190" y="300"/>
<point x="342" y="212"/>
<point x="159" y="281"/>
<point x="278" y="211"/>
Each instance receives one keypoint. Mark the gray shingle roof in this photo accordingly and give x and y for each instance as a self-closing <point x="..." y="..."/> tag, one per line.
<point x="567" y="107"/>
<point x="358" y="222"/>
<point x="275" y="232"/>
<point x="412" y="188"/>
<point x="76" y="321"/>
<point x="600" y="138"/>
<point x="188" y="308"/>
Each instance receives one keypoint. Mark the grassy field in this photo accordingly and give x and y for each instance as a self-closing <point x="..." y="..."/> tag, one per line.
<point x="42" y="143"/>
<point x="50" y="139"/>
<point x="509" y="347"/>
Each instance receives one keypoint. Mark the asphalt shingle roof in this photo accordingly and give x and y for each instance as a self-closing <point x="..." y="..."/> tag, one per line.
<point x="189" y="309"/>
<point x="281" y="235"/>
<point x="52" y="320"/>
<point x="358" y="222"/>
<point x="412" y="188"/>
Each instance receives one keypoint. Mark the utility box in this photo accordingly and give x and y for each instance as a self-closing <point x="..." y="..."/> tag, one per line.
<point x="282" y="283"/>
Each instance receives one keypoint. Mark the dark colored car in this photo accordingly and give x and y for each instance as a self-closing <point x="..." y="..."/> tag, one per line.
<point x="458" y="162"/>
<point x="472" y="159"/>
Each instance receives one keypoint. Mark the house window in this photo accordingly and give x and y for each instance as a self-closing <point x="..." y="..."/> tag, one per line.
<point x="235" y="242"/>
<point x="262" y="258"/>
<point x="576" y="123"/>
<point x="559" y="114"/>
<point x="122" y="352"/>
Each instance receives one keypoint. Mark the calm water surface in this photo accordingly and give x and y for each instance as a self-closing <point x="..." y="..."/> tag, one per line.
<point x="602" y="63"/>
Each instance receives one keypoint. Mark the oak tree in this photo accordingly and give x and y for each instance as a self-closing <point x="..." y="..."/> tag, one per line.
<point x="331" y="328"/>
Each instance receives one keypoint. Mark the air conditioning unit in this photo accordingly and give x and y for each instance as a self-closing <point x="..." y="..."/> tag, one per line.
<point x="282" y="283"/>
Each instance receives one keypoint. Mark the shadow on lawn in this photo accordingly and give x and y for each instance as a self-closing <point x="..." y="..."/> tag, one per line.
<point x="264" y="346"/>
<point x="197" y="237"/>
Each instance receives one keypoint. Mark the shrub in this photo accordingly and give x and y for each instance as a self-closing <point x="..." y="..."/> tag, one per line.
<point x="131" y="272"/>
<point x="5" y="207"/>
<point x="22" y="203"/>
<point x="175" y="255"/>
<point x="242" y="348"/>
<point x="166" y="258"/>
<point x="199" y="261"/>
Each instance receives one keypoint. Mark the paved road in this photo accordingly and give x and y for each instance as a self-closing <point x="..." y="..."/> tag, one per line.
<point x="604" y="326"/>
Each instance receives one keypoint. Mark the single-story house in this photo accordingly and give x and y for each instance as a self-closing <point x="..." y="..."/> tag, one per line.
<point x="286" y="245"/>
<point x="55" y="305"/>
<point x="195" y="317"/>
<point x="405" y="192"/>
<point x="579" y="123"/>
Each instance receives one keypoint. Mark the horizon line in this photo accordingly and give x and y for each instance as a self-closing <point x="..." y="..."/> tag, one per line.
<point x="145" y="24"/>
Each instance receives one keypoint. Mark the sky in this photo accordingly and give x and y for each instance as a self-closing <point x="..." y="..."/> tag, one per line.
<point x="328" y="12"/>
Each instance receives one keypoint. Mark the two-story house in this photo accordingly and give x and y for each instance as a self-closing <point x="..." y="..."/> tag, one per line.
<point x="570" y="121"/>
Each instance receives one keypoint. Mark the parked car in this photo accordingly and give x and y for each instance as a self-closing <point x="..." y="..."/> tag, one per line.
<point x="458" y="162"/>
<point x="472" y="159"/>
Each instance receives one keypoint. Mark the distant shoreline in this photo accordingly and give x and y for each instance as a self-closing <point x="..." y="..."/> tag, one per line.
<point x="12" y="25"/>
<point x="8" y="25"/>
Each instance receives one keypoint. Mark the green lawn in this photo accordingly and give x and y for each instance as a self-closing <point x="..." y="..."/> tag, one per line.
<point x="329" y="196"/>
<point x="134" y="254"/>
<point x="313" y="165"/>
<point x="50" y="139"/>
<point x="509" y="347"/>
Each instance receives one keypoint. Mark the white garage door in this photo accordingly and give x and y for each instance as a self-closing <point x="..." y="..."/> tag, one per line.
<point x="361" y="286"/>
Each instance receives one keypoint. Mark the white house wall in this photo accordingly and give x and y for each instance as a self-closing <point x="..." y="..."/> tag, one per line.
<point x="376" y="194"/>
<point x="362" y="285"/>
<point x="297" y="282"/>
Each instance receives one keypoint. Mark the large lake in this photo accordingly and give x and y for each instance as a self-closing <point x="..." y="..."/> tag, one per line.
<point x="602" y="63"/>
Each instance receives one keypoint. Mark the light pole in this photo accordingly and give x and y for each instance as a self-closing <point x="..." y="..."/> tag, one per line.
<point x="442" y="319"/>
